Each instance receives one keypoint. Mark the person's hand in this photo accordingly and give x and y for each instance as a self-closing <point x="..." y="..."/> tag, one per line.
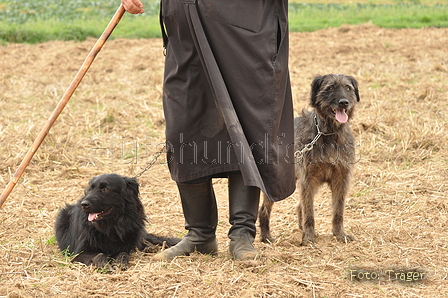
<point x="133" y="6"/>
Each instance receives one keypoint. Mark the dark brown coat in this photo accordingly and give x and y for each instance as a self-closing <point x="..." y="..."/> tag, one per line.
<point x="249" y="41"/>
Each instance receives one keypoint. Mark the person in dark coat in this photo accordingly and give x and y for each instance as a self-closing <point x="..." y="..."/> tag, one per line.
<point x="228" y="109"/>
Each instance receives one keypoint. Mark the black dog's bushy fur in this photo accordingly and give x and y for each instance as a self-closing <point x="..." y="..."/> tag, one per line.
<point x="107" y="224"/>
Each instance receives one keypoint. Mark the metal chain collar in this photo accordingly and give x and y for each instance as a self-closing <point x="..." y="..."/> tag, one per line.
<point x="308" y="147"/>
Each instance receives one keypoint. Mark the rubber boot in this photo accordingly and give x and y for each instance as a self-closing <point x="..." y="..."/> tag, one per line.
<point x="243" y="208"/>
<point x="201" y="218"/>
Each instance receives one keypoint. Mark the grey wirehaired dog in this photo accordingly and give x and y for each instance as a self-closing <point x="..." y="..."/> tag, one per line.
<point x="324" y="153"/>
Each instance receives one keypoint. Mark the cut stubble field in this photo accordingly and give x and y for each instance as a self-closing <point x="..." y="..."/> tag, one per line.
<point x="397" y="207"/>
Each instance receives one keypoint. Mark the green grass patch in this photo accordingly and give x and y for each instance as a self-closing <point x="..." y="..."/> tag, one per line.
<point x="53" y="29"/>
<point x="315" y="16"/>
<point x="38" y="21"/>
<point x="29" y="21"/>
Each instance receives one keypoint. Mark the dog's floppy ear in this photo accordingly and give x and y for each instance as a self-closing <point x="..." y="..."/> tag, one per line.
<point x="133" y="188"/>
<point x="355" y="86"/>
<point x="132" y="185"/>
<point x="315" y="87"/>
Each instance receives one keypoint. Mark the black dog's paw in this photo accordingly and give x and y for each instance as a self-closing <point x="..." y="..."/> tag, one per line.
<point x="148" y="247"/>
<point x="121" y="262"/>
<point x="102" y="263"/>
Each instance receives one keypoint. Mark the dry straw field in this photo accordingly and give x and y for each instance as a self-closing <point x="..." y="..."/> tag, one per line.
<point x="398" y="205"/>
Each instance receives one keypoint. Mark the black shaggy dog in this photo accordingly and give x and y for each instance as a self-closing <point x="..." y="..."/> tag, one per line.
<point x="324" y="154"/>
<point x="107" y="224"/>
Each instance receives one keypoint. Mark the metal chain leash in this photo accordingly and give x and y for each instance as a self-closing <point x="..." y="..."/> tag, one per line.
<point x="152" y="162"/>
<point x="298" y="154"/>
<point x="308" y="147"/>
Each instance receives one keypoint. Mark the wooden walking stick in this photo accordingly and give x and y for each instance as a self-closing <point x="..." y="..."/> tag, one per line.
<point x="63" y="102"/>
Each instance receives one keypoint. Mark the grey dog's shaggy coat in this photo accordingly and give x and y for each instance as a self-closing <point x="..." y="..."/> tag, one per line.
<point x="324" y="153"/>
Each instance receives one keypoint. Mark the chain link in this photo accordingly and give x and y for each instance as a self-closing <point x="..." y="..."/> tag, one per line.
<point x="152" y="162"/>
<point x="308" y="147"/>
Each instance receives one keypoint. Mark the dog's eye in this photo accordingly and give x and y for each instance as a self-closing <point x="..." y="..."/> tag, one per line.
<point x="331" y="88"/>
<point x="349" y="88"/>
<point x="105" y="189"/>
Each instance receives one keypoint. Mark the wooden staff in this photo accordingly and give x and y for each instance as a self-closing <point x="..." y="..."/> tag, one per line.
<point x="63" y="102"/>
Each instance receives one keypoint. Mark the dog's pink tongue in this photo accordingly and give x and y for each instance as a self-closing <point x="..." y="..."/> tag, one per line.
<point x="92" y="216"/>
<point x="341" y="116"/>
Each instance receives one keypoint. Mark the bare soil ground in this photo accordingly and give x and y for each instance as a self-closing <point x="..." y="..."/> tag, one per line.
<point x="398" y="203"/>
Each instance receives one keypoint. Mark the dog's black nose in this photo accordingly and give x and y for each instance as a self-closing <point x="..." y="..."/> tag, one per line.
<point x="85" y="204"/>
<point x="343" y="103"/>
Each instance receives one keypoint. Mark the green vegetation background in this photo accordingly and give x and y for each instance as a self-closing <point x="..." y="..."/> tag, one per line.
<point x="34" y="21"/>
